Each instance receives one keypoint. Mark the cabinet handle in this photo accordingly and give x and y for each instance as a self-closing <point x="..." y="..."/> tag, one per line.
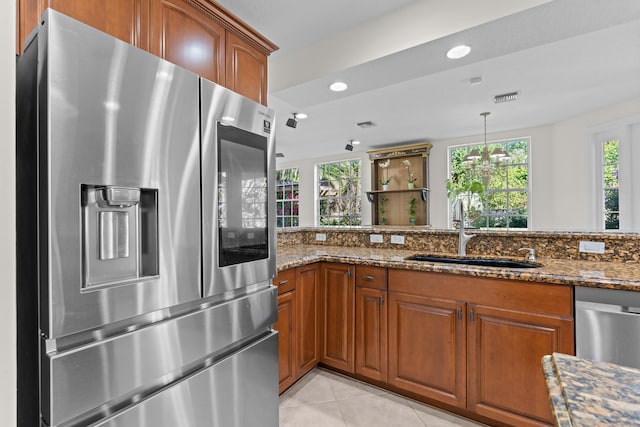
<point x="459" y="314"/>
<point x="368" y="277"/>
<point x="349" y="273"/>
<point x="381" y="300"/>
<point x="283" y="282"/>
<point x="472" y="315"/>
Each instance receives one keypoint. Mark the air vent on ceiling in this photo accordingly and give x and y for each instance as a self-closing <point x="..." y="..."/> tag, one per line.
<point x="279" y="154"/>
<point x="365" y="125"/>
<point x="505" y="97"/>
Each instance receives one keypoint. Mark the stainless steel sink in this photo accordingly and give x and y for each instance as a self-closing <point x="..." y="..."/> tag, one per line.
<point x="503" y="263"/>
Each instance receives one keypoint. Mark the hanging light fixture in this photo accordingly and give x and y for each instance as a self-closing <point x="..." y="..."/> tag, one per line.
<point x="482" y="161"/>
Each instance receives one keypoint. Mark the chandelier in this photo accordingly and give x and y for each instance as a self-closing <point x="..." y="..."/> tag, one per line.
<point x="485" y="164"/>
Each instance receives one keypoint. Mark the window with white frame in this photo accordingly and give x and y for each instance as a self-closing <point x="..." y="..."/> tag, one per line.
<point x="339" y="193"/>
<point x="504" y="202"/>
<point x="617" y="194"/>
<point x="287" y="197"/>
<point x="610" y="195"/>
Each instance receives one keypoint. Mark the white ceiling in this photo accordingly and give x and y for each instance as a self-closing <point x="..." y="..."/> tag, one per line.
<point x="564" y="57"/>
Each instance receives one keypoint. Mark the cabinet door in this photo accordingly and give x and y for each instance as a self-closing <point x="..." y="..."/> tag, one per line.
<point x="186" y="36"/>
<point x="505" y="351"/>
<point x="246" y="69"/>
<point x="286" y="341"/>
<point x="307" y="330"/>
<point x="371" y="333"/>
<point x="337" y="316"/>
<point x="427" y="351"/>
<point x="124" y="19"/>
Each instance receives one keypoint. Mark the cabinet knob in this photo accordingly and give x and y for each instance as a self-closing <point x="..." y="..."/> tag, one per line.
<point x="381" y="300"/>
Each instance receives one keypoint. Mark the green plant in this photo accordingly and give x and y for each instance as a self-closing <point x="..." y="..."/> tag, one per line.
<point x="471" y="194"/>
<point x="382" y="203"/>
<point x="413" y="203"/>
<point x="455" y="189"/>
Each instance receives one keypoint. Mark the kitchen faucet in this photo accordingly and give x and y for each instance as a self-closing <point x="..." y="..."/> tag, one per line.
<point x="463" y="239"/>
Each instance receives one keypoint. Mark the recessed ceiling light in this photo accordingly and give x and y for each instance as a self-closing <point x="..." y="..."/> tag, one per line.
<point x="300" y="116"/>
<point x="355" y="142"/>
<point x="458" y="52"/>
<point x="338" y="86"/>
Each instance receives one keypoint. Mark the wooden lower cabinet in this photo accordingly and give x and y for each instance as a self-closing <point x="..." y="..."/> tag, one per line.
<point x="337" y="316"/>
<point x="371" y="333"/>
<point x="286" y="341"/>
<point x="308" y="318"/>
<point x="444" y="327"/>
<point x="427" y="347"/>
<point x="504" y="352"/>
<point x="467" y="342"/>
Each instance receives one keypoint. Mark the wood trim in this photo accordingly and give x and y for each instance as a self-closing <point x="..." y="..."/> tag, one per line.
<point x="235" y="25"/>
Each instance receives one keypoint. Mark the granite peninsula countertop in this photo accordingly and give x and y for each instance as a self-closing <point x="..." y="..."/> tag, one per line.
<point x="611" y="275"/>
<point x="586" y="393"/>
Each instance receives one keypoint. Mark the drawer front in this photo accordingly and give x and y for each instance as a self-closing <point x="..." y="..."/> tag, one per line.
<point x="285" y="281"/>
<point x="371" y="277"/>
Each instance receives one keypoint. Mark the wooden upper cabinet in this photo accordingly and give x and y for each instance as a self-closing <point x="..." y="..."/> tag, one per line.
<point x="125" y="19"/>
<point x="184" y="35"/>
<point x="246" y="69"/>
<point x="197" y="35"/>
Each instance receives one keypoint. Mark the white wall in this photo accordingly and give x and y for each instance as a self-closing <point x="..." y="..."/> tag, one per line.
<point x="561" y="175"/>
<point x="7" y="215"/>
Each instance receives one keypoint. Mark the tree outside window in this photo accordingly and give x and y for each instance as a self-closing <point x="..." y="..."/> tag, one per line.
<point x="611" y="184"/>
<point x="505" y="199"/>
<point x="287" y="197"/>
<point x="339" y="193"/>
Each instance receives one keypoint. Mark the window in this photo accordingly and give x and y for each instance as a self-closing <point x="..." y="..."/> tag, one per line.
<point x="504" y="203"/>
<point x="287" y="182"/>
<point x="610" y="184"/>
<point x="339" y="193"/>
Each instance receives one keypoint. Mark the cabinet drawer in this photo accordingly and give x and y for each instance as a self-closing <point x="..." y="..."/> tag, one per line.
<point x="371" y="277"/>
<point x="285" y="281"/>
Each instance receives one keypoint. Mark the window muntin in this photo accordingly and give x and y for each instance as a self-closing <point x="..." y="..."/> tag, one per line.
<point x="287" y="198"/>
<point x="339" y="193"/>
<point x="506" y="197"/>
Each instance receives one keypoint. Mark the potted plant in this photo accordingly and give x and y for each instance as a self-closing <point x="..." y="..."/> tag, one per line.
<point x="383" y="210"/>
<point x="413" y="203"/>
<point x="385" y="174"/>
<point x="471" y="193"/>
<point x="411" y="178"/>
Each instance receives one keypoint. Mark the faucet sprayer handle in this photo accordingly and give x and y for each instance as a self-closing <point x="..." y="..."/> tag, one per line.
<point x="532" y="253"/>
<point x="458" y="211"/>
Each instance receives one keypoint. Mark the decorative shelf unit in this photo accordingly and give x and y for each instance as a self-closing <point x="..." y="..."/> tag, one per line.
<point x="396" y="199"/>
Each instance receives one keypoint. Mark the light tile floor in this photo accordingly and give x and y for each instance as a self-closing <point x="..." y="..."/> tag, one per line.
<point x="326" y="399"/>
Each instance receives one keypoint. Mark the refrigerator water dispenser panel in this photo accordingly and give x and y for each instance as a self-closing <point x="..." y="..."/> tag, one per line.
<point x="120" y="241"/>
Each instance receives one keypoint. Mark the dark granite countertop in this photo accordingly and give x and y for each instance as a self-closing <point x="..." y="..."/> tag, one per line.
<point x="611" y="275"/>
<point x="587" y="393"/>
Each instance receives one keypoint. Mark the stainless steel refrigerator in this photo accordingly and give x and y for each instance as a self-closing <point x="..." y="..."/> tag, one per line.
<point x="146" y="240"/>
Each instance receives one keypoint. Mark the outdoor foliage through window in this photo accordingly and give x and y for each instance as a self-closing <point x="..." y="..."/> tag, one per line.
<point x="505" y="199"/>
<point x="610" y="185"/>
<point x="287" y="195"/>
<point x="339" y="190"/>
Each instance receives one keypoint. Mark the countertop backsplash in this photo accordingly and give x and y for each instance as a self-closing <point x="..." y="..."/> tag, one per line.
<point x="619" y="247"/>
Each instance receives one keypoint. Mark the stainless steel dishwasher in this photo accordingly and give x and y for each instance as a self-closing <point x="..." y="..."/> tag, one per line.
<point x="608" y="325"/>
